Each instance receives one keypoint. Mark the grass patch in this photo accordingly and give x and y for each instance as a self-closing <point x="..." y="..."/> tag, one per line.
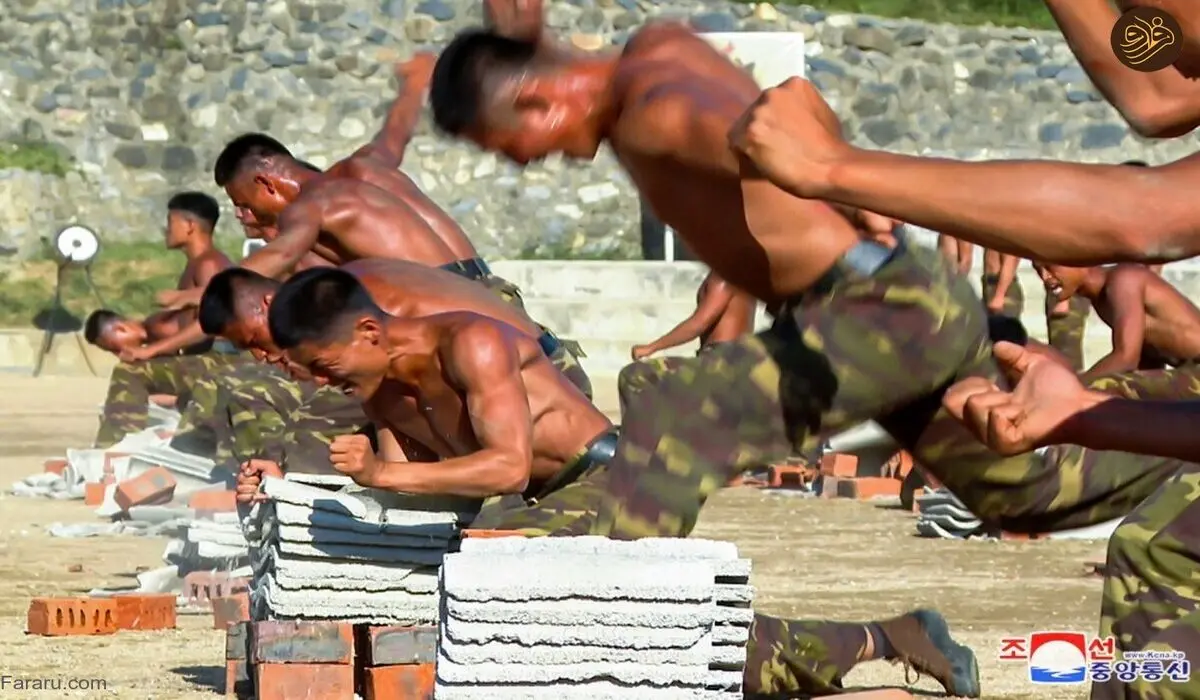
<point x="37" y="157"/>
<point x="1009" y="13"/>
<point x="127" y="275"/>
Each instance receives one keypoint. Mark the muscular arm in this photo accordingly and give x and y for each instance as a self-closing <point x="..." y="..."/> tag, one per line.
<point x="388" y="146"/>
<point x="708" y="312"/>
<point x="191" y="334"/>
<point x="1161" y="104"/>
<point x="1159" y="428"/>
<point x="1126" y="294"/>
<point x="485" y="366"/>
<point x="299" y="228"/>
<point x="1005" y="279"/>
<point x="1033" y="209"/>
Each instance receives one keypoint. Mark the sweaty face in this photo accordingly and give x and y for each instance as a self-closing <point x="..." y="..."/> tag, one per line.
<point x="529" y="122"/>
<point x="1187" y="13"/>
<point x="256" y="201"/>
<point x="357" y="365"/>
<point x="1061" y="281"/>
<point x="122" y="335"/>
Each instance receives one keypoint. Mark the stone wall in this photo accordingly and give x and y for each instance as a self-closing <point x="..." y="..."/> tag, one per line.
<point x="142" y="94"/>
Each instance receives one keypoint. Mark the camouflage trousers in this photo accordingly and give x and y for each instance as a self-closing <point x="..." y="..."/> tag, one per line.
<point x="572" y="506"/>
<point x="1014" y="298"/>
<point x="1065" y="327"/>
<point x="1179" y="383"/>
<point x="192" y="378"/>
<point x="566" y="358"/>
<point x="269" y="415"/>
<point x="880" y="347"/>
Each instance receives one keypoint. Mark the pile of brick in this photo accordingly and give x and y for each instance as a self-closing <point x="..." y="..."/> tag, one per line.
<point x="353" y="555"/>
<point x="840" y="479"/>
<point x="588" y="617"/>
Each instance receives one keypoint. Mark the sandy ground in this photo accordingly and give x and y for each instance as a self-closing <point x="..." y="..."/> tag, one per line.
<point x="815" y="559"/>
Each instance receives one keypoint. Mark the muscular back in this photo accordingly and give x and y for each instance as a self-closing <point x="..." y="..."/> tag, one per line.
<point x="360" y="220"/>
<point x="402" y="187"/>
<point x="680" y="99"/>
<point x="1172" y="320"/>
<point x="409" y="290"/>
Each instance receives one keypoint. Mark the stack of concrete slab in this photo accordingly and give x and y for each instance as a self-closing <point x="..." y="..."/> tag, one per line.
<point x="591" y="618"/>
<point x="355" y="555"/>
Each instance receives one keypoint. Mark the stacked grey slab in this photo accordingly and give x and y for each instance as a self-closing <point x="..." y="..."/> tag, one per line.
<point x="590" y="618"/>
<point x="355" y="555"/>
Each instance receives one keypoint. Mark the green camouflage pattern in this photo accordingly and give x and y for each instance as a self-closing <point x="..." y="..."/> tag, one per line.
<point x="572" y="507"/>
<point x="1150" y="600"/>
<point x="1066" y="324"/>
<point x="191" y="378"/>
<point x="882" y="347"/>
<point x="271" y="416"/>
<point x="567" y="357"/>
<point x="807" y="657"/>
<point x="1014" y="299"/>
<point x="1178" y="383"/>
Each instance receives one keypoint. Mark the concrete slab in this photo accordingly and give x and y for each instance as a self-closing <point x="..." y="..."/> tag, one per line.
<point x="597" y="690"/>
<point x="626" y="673"/>
<point x="484" y="578"/>
<point x="586" y="612"/>
<point x="317" y="499"/>
<point x="426" y="556"/>
<point x="321" y="536"/>
<point x="410" y="522"/>
<point x="347" y="575"/>
<point x="546" y="654"/>
<point x="624" y="636"/>
<point x="392" y="607"/>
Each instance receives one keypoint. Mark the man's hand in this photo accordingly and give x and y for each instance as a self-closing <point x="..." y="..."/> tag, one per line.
<point x="1031" y="415"/>
<point x="995" y="304"/>
<point x="785" y="135"/>
<point x="250" y="478"/>
<point x="139" y="354"/>
<point x="416" y="71"/>
<point x="352" y="455"/>
<point x="515" y="19"/>
<point x="640" y="351"/>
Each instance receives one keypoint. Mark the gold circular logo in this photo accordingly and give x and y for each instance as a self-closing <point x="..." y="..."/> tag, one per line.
<point x="1147" y="39"/>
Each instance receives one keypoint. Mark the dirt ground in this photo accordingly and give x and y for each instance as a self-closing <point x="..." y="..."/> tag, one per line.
<point x="814" y="559"/>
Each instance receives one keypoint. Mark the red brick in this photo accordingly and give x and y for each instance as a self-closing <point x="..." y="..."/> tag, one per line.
<point x="153" y="487"/>
<point x="202" y="586"/>
<point x="916" y="508"/>
<point x="230" y="609"/>
<point x="239" y="682"/>
<point x="395" y="645"/>
<point x="301" y="642"/>
<point x="864" y="488"/>
<point x="304" y="681"/>
<point x="55" y="466"/>
<point x="829" y="486"/>
<point x="839" y="465"/>
<point x="899" y="465"/>
<point x="214" y="501"/>
<point x="93" y="493"/>
<point x="401" y="682"/>
<point x="140" y="611"/>
<point x="480" y="534"/>
<point x="54" y="617"/>
<point x="784" y="474"/>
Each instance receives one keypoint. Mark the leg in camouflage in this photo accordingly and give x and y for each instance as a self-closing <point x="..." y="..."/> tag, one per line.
<point x="324" y="414"/>
<point x="1178" y="383"/>
<point x="570" y="507"/>
<point x="881" y="347"/>
<point x="1150" y="600"/>
<point x="810" y="657"/>
<point x="201" y="420"/>
<point x="566" y="359"/>
<point x="1014" y="299"/>
<point x="129" y="389"/>
<point x="1065" y="325"/>
<point x="255" y="402"/>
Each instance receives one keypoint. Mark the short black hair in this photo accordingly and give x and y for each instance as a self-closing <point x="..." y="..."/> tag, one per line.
<point x="97" y="323"/>
<point x="198" y="205"/>
<point x="312" y="305"/>
<point x="219" y="304"/>
<point x="459" y="78"/>
<point x="1003" y="327"/>
<point x="239" y="152"/>
<point x="1137" y="163"/>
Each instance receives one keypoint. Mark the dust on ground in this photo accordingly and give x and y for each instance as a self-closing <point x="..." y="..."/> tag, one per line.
<point x="814" y="559"/>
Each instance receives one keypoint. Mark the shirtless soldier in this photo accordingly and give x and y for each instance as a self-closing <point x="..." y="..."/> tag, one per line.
<point x="237" y="309"/>
<point x="481" y="394"/>
<point x="1153" y="324"/>
<point x="723" y="313"/>
<point x="186" y="371"/>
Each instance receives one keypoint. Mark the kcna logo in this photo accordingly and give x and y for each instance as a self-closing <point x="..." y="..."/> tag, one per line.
<point x="1066" y="658"/>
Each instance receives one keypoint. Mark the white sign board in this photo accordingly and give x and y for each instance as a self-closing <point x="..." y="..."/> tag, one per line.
<point x="771" y="57"/>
